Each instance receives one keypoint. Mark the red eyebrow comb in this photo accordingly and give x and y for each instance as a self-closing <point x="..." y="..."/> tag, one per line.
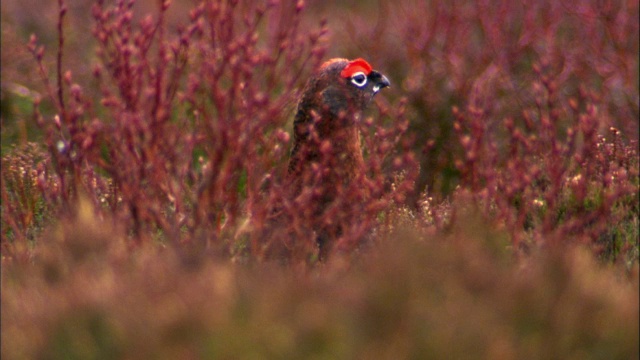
<point x="357" y="65"/>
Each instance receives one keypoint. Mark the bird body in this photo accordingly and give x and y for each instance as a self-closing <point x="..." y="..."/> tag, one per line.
<point x="326" y="171"/>
<point x="325" y="124"/>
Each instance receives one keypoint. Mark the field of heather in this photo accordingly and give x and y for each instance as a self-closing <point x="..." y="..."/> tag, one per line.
<point x="147" y="209"/>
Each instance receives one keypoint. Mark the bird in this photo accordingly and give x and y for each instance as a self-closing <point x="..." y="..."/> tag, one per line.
<point x="326" y="162"/>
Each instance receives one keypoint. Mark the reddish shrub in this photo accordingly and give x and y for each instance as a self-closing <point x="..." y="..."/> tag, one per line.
<point x="189" y="123"/>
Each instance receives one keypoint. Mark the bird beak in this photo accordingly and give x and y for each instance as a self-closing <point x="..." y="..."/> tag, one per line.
<point x="384" y="82"/>
<point x="381" y="83"/>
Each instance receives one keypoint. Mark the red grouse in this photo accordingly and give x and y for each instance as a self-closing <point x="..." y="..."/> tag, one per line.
<point x="326" y="160"/>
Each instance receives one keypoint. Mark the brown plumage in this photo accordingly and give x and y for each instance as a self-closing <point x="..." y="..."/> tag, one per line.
<point x="326" y="157"/>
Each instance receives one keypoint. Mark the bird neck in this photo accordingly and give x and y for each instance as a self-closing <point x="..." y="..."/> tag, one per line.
<point x="345" y="148"/>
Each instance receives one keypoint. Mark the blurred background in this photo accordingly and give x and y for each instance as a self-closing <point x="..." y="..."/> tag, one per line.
<point x="438" y="54"/>
<point x="517" y="239"/>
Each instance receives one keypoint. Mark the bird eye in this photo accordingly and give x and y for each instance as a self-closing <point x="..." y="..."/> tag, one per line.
<point x="359" y="79"/>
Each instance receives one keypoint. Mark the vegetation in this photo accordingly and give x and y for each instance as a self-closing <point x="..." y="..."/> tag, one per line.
<point x="142" y="153"/>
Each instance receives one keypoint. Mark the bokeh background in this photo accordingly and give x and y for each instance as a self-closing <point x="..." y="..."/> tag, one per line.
<point x="516" y="235"/>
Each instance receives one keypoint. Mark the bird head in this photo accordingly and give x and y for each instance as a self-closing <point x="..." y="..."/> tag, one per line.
<point x="359" y="73"/>
<point x="342" y="88"/>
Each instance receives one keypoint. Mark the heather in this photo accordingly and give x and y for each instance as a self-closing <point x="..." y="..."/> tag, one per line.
<point x="144" y="145"/>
